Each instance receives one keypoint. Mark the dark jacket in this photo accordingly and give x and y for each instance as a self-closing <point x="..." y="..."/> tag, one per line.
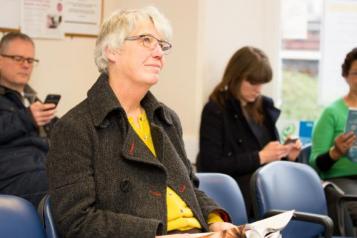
<point x="21" y="147"/>
<point x="229" y="145"/>
<point x="105" y="182"/>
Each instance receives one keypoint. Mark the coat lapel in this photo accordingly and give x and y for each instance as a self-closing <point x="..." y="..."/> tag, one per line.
<point x="135" y="149"/>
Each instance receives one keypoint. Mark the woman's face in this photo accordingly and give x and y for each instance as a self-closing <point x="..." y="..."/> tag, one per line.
<point x="249" y="92"/>
<point x="352" y="76"/>
<point x="137" y="63"/>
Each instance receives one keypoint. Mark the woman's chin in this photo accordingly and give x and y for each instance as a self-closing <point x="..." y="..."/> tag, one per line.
<point x="153" y="80"/>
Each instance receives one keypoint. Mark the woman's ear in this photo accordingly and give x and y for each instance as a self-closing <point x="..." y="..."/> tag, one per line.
<point x="112" y="54"/>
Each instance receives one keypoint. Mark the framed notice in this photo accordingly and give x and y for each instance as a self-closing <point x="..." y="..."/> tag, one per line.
<point x="82" y="17"/>
<point x="42" y="18"/>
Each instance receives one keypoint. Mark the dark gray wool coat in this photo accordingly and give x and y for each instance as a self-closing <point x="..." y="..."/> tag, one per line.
<point x="104" y="181"/>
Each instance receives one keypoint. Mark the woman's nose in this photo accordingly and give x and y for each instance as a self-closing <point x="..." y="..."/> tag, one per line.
<point x="157" y="51"/>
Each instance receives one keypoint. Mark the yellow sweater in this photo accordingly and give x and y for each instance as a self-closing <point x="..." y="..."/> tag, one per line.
<point x="179" y="215"/>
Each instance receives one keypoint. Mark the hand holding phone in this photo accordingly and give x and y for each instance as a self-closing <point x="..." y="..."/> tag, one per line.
<point x="290" y="141"/>
<point x="53" y="98"/>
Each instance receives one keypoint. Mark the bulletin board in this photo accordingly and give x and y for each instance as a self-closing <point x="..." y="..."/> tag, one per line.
<point x="52" y="18"/>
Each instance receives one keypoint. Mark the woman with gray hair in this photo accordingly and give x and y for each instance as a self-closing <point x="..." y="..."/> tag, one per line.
<point x="117" y="165"/>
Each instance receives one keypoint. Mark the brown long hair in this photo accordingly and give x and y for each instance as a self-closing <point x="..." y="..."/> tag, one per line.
<point x="248" y="63"/>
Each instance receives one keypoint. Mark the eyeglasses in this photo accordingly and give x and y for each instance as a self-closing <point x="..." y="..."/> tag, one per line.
<point x="20" y="59"/>
<point x="151" y="42"/>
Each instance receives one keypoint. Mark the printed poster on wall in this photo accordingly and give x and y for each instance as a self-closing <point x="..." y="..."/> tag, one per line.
<point x="82" y="16"/>
<point x="42" y="18"/>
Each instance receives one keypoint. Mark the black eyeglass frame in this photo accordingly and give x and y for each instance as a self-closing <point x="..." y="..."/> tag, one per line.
<point x="21" y="59"/>
<point x="164" y="45"/>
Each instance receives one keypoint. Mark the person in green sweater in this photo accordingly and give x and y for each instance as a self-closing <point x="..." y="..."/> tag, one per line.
<point x="330" y="142"/>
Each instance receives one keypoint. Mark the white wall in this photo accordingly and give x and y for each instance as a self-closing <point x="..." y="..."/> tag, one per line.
<point x="206" y="34"/>
<point x="66" y="67"/>
<point x="229" y="25"/>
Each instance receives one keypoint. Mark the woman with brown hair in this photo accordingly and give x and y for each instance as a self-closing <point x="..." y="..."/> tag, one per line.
<point x="238" y="132"/>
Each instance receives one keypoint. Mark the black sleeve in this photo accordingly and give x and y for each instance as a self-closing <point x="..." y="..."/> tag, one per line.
<point x="215" y="153"/>
<point x="324" y="162"/>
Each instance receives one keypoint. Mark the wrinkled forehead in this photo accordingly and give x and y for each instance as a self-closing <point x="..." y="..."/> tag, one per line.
<point x="146" y="27"/>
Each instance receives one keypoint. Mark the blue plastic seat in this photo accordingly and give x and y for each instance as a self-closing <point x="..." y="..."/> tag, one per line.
<point x="226" y="192"/>
<point x="46" y="217"/>
<point x="283" y="185"/>
<point x="342" y="220"/>
<point x="19" y="219"/>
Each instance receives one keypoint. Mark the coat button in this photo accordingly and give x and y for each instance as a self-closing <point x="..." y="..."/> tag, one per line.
<point x="125" y="185"/>
<point x="235" y="116"/>
<point x="229" y="154"/>
<point x="240" y="141"/>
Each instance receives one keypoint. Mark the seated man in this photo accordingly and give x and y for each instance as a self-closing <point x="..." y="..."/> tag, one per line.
<point x="22" y="117"/>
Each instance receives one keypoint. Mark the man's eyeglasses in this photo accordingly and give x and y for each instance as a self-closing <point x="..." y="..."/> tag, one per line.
<point x="20" y="59"/>
<point x="151" y="42"/>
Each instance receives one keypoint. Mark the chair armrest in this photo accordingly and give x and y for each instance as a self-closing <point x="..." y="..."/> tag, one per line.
<point x="342" y="199"/>
<point x="340" y="209"/>
<point x="324" y="220"/>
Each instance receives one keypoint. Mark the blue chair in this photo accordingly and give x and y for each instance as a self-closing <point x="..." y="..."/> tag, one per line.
<point x="225" y="191"/>
<point x="283" y="185"/>
<point x="44" y="210"/>
<point x="343" y="222"/>
<point x="19" y="219"/>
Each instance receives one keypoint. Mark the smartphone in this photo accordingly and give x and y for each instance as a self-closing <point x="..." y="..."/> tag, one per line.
<point x="290" y="141"/>
<point x="53" y="98"/>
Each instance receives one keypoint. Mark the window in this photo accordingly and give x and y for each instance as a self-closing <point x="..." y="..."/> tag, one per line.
<point x="300" y="56"/>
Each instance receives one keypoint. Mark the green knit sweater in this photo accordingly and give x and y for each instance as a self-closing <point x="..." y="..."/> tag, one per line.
<point x="330" y="125"/>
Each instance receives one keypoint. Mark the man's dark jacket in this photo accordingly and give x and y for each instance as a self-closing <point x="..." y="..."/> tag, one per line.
<point x="105" y="182"/>
<point x="21" y="148"/>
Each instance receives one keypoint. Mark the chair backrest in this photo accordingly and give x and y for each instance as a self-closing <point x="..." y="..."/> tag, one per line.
<point x="287" y="185"/>
<point x="18" y="218"/>
<point x="304" y="155"/>
<point x="46" y="217"/>
<point x="226" y="192"/>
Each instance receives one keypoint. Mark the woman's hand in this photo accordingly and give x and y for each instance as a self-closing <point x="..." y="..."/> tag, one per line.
<point x="342" y="144"/>
<point x="295" y="149"/>
<point x="214" y="227"/>
<point x="186" y="235"/>
<point x="220" y="226"/>
<point x="273" y="151"/>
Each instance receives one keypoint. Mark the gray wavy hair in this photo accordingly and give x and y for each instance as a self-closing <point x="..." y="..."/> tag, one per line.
<point x="120" y="24"/>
